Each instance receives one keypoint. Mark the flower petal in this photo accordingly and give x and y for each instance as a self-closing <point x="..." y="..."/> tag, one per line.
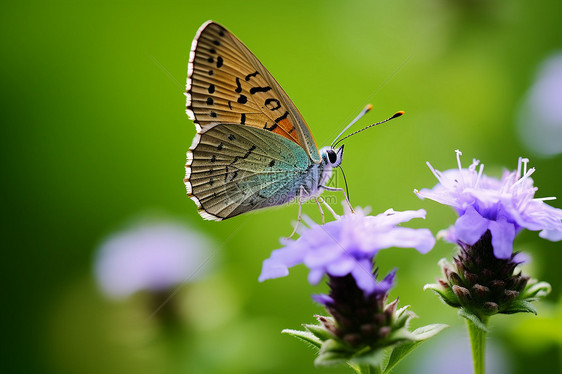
<point x="315" y="275"/>
<point x="552" y="235"/>
<point x="278" y="264"/>
<point x="347" y="246"/>
<point x="322" y="299"/>
<point x="323" y="255"/>
<point x="521" y="258"/>
<point x="503" y="234"/>
<point x="448" y="235"/>
<point x="392" y="217"/>
<point x="386" y="284"/>
<point x="479" y="199"/>
<point x="342" y="267"/>
<point x="470" y="227"/>
<point x="273" y="269"/>
<point x="420" y="239"/>
<point x="363" y="276"/>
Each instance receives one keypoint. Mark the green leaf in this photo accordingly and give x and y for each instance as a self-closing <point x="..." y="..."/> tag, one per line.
<point x="372" y="357"/>
<point x="426" y="332"/>
<point x="331" y="359"/>
<point x="398" y="353"/>
<point x="421" y="335"/>
<point x="536" y="290"/>
<point x="447" y="295"/>
<point x="402" y="316"/>
<point x="305" y="336"/>
<point x="319" y="331"/>
<point x="399" y="336"/>
<point x="520" y="306"/>
<point x="473" y="318"/>
<point x="400" y="312"/>
<point x="332" y="353"/>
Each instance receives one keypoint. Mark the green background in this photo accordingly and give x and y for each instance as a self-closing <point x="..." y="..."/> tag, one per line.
<point x="94" y="135"/>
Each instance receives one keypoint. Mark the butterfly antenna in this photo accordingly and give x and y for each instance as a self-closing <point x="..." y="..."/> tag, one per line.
<point x="345" y="181"/>
<point x="396" y="115"/>
<point x="365" y="110"/>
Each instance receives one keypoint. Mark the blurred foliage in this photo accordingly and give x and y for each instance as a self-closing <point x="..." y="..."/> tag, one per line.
<point x="94" y="133"/>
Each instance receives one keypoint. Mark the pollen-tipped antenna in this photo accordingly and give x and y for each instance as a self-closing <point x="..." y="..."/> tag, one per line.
<point x="365" y="110"/>
<point x="396" y="115"/>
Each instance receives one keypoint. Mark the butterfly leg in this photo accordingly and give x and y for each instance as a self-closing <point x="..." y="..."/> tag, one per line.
<point x="333" y="189"/>
<point x="320" y="208"/>
<point x="299" y="217"/>
<point x="327" y="206"/>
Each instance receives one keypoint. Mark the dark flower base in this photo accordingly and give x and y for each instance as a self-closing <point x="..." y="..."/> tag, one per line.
<point x="483" y="284"/>
<point x="359" y="320"/>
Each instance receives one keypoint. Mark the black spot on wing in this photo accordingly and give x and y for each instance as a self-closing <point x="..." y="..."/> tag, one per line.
<point x="252" y="148"/>
<point x="246" y="155"/>
<point x="238" y="85"/>
<point x="254" y="90"/>
<point x="250" y="76"/>
<point x="272" y="104"/>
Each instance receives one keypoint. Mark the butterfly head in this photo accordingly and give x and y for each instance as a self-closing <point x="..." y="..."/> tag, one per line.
<point x="332" y="156"/>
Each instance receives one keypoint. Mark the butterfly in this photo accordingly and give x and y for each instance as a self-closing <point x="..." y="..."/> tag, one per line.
<point x="253" y="148"/>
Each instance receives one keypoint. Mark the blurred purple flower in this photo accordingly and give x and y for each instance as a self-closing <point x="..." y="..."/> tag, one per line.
<point x="150" y="256"/>
<point x="502" y="206"/>
<point x="449" y="354"/>
<point x="348" y="246"/>
<point x="540" y="118"/>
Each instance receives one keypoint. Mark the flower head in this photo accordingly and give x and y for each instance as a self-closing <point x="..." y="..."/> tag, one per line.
<point x="361" y="325"/>
<point x="483" y="285"/>
<point x="348" y="246"/>
<point x="502" y="206"/>
<point x="149" y="256"/>
<point x="358" y="319"/>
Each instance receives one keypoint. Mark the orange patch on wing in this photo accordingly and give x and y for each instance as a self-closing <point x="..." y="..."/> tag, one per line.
<point x="285" y="128"/>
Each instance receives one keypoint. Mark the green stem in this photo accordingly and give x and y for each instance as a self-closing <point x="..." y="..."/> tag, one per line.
<point x="368" y="369"/>
<point x="365" y="369"/>
<point x="478" y="345"/>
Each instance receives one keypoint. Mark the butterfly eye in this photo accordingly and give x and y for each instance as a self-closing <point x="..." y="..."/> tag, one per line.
<point x="332" y="157"/>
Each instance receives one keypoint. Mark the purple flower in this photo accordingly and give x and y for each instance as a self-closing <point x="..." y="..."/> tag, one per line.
<point x="502" y="206"/>
<point x="540" y="117"/>
<point x="150" y="256"/>
<point x="348" y="246"/>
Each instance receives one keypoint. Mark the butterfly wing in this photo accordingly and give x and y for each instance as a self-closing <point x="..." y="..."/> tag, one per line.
<point x="252" y="144"/>
<point x="234" y="169"/>
<point x="227" y="84"/>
